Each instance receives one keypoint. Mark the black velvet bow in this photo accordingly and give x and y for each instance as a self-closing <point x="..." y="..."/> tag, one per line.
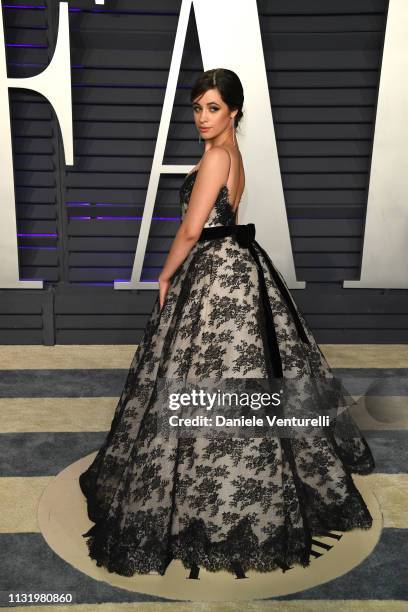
<point x="245" y="234"/>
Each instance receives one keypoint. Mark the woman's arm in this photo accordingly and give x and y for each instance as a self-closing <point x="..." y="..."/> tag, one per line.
<point x="211" y="176"/>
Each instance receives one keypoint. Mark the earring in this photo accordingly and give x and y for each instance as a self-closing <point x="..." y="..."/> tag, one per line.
<point x="199" y="138"/>
<point x="233" y="130"/>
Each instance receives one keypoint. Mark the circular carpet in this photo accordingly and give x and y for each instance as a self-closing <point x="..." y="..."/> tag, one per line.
<point x="63" y="518"/>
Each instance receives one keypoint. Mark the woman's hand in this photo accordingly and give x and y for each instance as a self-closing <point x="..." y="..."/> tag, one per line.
<point x="164" y="284"/>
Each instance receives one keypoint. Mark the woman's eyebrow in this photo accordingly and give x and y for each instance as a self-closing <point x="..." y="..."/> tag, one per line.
<point x="207" y="103"/>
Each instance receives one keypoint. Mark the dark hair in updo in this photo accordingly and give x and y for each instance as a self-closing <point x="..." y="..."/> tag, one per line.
<point x="228" y="84"/>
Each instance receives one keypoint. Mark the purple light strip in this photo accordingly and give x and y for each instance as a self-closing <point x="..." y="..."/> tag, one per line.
<point x="54" y="235"/>
<point x="27" y="46"/>
<point x="110" y="283"/>
<point x="23" y="6"/>
<point x="130" y="218"/>
<point x="125" y="218"/>
<point x="94" y="10"/>
<point x="39" y="248"/>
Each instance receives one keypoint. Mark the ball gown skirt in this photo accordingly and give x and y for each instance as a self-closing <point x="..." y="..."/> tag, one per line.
<point x="221" y="501"/>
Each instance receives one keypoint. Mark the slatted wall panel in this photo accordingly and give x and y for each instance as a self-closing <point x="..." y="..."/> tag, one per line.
<point x="323" y="61"/>
<point x="121" y="56"/>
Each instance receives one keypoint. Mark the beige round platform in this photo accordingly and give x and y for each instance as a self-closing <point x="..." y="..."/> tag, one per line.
<point x="62" y="519"/>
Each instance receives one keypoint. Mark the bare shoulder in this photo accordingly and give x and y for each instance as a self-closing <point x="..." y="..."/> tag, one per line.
<point x="213" y="169"/>
<point x="216" y="158"/>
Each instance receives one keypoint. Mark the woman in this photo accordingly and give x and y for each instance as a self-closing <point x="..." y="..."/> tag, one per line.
<point x="223" y="312"/>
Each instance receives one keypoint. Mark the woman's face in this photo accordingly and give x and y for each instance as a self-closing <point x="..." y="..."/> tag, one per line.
<point x="211" y="115"/>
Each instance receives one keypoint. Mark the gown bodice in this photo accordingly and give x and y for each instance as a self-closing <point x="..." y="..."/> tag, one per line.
<point x="221" y="213"/>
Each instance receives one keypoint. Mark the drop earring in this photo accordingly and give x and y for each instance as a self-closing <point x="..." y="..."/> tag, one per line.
<point x="233" y="130"/>
<point x="199" y="138"/>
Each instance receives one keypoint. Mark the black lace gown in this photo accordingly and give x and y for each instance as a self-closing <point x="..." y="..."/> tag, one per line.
<point x="215" y="502"/>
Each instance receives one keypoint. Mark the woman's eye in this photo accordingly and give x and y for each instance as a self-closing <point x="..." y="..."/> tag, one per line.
<point x="214" y="108"/>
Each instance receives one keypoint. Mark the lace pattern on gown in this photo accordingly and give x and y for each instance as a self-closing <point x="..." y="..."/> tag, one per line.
<point x="213" y="502"/>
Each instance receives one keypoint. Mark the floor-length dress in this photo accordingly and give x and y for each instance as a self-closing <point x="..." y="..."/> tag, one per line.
<point x="220" y="501"/>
